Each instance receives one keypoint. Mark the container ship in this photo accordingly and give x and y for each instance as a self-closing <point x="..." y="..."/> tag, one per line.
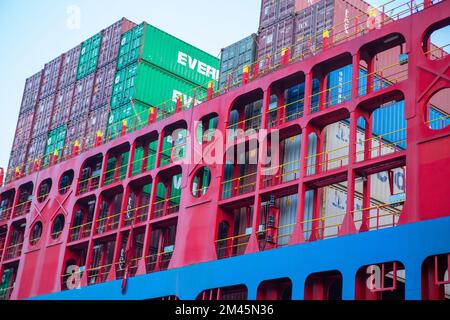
<point x="310" y="162"/>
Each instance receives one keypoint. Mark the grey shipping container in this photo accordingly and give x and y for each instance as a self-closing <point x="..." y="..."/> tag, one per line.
<point x="273" y="39"/>
<point x="23" y="130"/>
<point x="97" y="121"/>
<point x="50" y="77"/>
<point x="234" y="58"/>
<point x="82" y="96"/>
<point x="36" y="148"/>
<point x="43" y="116"/>
<point x="109" y="48"/>
<point x="302" y="32"/>
<point x="69" y="67"/>
<point x="76" y="130"/>
<point x="31" y="92"/>
<point x="17" y="158"/>
<point x="274" y="10"/>
<point x="104" y="78"/>
<point x="62" y="107"/>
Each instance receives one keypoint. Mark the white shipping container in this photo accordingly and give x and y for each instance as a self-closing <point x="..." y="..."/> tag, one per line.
<point x="336" y="144"/>
<point x="288" y="215"/>
<point x="334" y="207"/>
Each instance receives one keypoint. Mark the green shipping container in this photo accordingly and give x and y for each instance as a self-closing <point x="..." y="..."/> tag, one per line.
<point x="153" y="86"/>
<point x="175" y="193"/>
<point x="89" y="56"/>
<point x="55" y="141"/>
<point x="169" y="53"/>
<point x="5" y="286"/>
<point x="135" y="114"/>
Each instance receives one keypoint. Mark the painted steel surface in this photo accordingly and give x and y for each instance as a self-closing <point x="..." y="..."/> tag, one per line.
<point x="197" y="219"/>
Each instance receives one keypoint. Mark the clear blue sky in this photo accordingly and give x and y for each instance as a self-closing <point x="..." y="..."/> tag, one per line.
<point x="34" y="32"/>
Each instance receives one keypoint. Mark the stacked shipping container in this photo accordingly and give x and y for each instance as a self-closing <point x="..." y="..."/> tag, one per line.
<point x="234" y="58"/>
<point x="70" y="99"/>
<point x="155" y="68"/>
<point x="62" y="95"/>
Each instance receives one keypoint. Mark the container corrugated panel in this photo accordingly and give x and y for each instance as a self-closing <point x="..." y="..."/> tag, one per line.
<point x="286" y="8"/>
<point x="89" y="56"/>
<point x="269" y="13"/>
<point x="129" y="112"/>
<point x="274" y="10"/>
<point x="235" y="57"/>
<point x="435" y="114"/>
<point x="17" y="158"/>
<point x="167" y="52"/>
<point x="151" y="85"/>
<point x="23" y="130"/>
<point x="304" y="4"/>
<point x="6" y="283"/>
<point x="55" y="140"/>
<point x="69" y="67"/>
<point x="345" y="12"/>
<point x="130" y="46"/>
<point x="273" y="39"/>
<point x="285" y="34"/>
<point x="267" y="41"/>
<point x="109" y="48"/>
<point x="76" y="130"/>
<point x="50" y="77"/>
<point x="43" y="116"/>
<point x="288" y="215"/>
<point x="104" y="78"/>
<point x="31" y="92"/>
<point x="179" y="57"/>
<point x="388" y="121"/>
<point x="310" y="24"/>
<point x="36" y="149"/>
<point x="62" y="107"/>
<point x="82" y="96"/>
<point x="339" y="86"/>
<point x="97" y="121"/>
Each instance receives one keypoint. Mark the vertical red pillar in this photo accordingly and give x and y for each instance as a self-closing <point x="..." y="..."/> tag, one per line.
<point x="308" y="92"/>
<point x="365" y="225"/>
<point x="253" y="245"/>
<point x="281" y="107"/>
<point x="348" y="224"/>
<point x="297" y="235"/>
<point x="355" y="75"/>
<point x="370" y="75"/>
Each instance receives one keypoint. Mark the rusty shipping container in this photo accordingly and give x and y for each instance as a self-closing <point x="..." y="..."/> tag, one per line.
<point x="31" y="92"/>
<point x="103" y="84"/>
<point x="50" y="77"/>
<point x="63" y="103"/>
<point x="69" y="67"/>
<point x="82" y="96"/>
<point x="43" y="116"/>
<point x="109" y="48"/>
